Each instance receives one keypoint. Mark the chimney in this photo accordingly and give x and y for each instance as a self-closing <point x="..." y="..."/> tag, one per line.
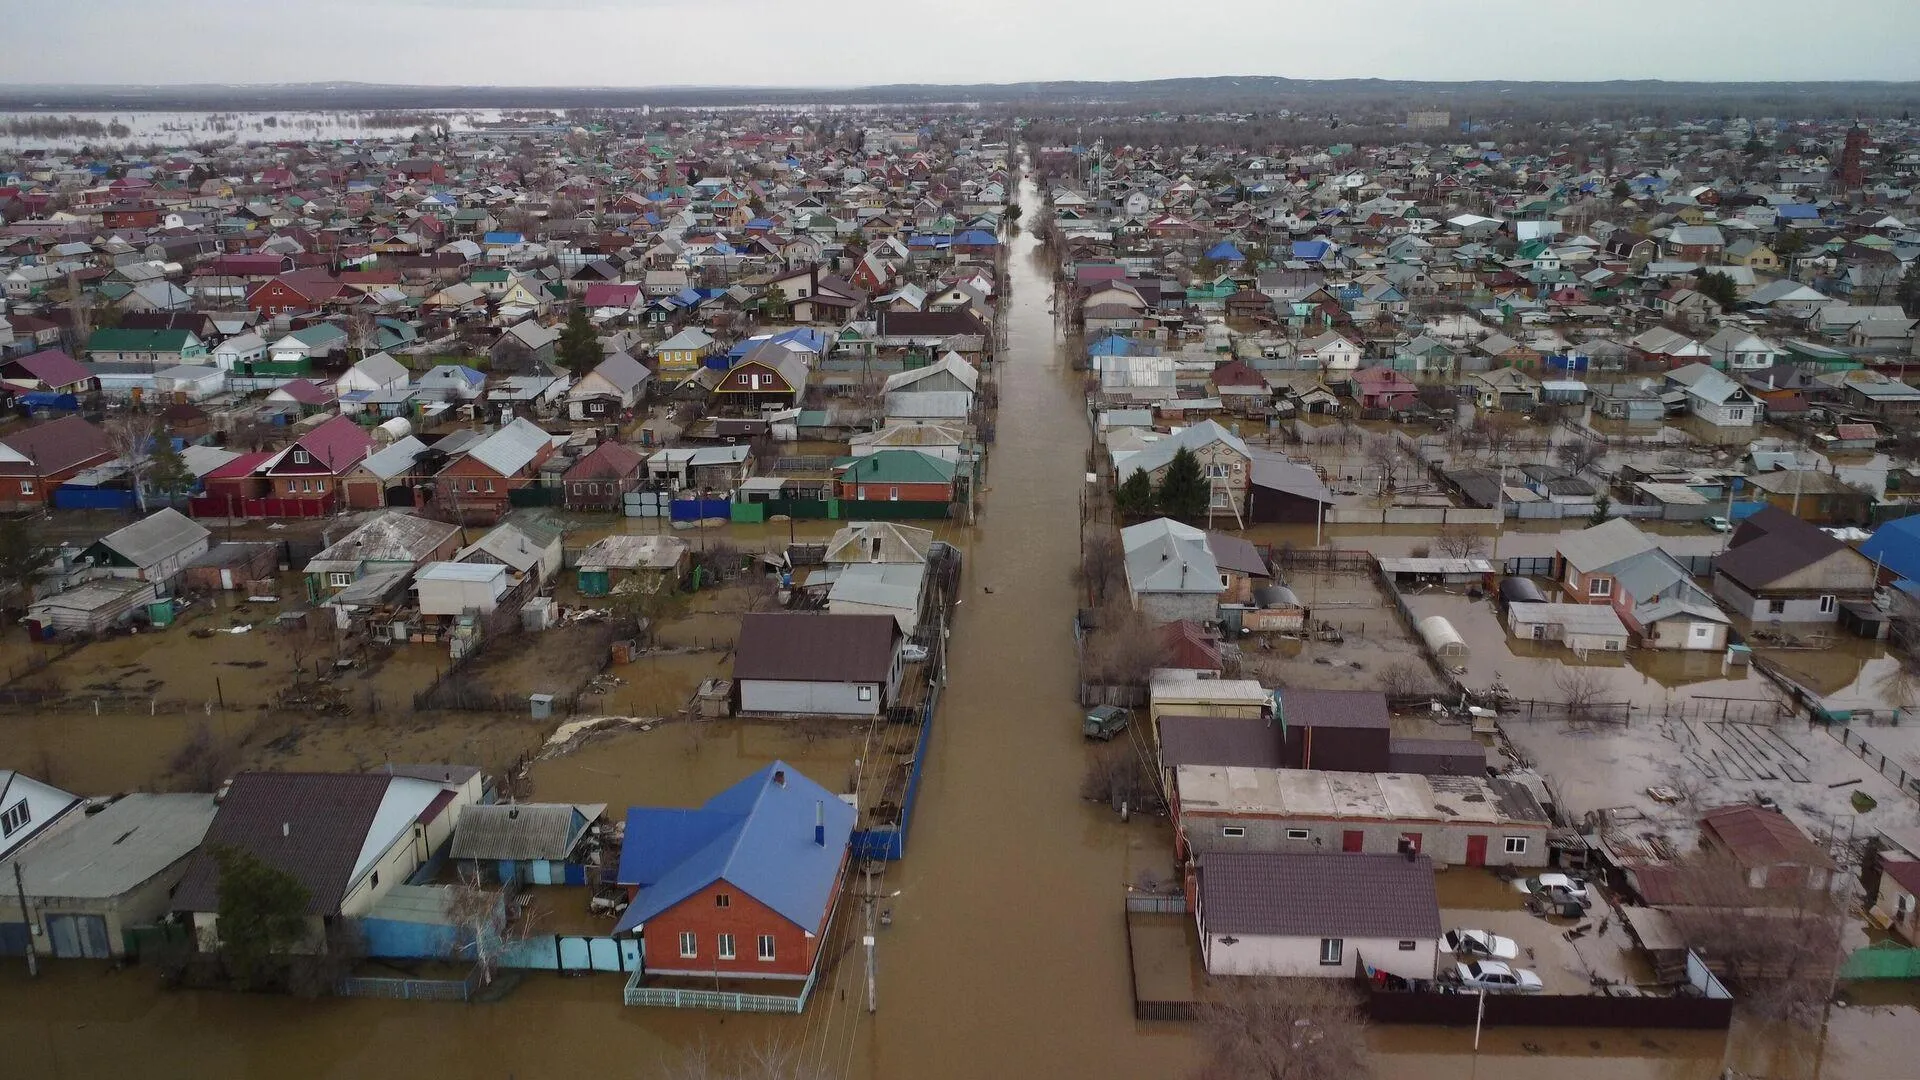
<point x="820" y="824"/>
<point x="780" y="777"/>
<point x="286" y="829"/>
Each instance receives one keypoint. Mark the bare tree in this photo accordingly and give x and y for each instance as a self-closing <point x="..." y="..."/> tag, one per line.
<point x="205" y="760"/>
<point x="1459" y="542"/>
<point x="1405" y="680"/>
<point x="130" y="436"/>
<point x="1261" y="1028"/>
<point x="1779" y="945"/>
<point x="1579" y="454"/>
<point x="1124" y="648"/>
<point x="1579" y="690"/>
<point x="1115" y="774"/>
<point x="488" y="921"/>
<point x="1102" y="562"/>
<point x="1385" y="457"/>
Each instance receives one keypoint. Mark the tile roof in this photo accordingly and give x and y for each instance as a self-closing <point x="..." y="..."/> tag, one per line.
<point x="1325" y="895"/>
<point x="311" y="825"/>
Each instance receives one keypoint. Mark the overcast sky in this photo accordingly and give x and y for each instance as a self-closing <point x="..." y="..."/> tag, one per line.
<point x="861" y="42"/>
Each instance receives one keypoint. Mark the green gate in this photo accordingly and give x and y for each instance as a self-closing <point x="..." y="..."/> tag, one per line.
<point x="1882" y="960"/>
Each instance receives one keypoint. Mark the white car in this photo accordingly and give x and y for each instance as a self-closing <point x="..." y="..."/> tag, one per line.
<point x="1484" y="944"/>
<point x="1545" y="881"/>
<point x="1496" y="977"/>
<point x="913" y="654"/>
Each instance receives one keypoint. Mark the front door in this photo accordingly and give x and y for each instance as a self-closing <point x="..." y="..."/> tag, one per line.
<point x="1353" y="841"/>
<point x="1476" y="851"/>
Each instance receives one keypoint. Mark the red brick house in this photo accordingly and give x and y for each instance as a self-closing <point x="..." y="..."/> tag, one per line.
<point x="302" y="480"/>
<point x="600" y="479"/>
<point x="743" y="887"/>
<point x="298" y="291"/>
<point x="475" y="485"/>
<point x="36" y="461"/>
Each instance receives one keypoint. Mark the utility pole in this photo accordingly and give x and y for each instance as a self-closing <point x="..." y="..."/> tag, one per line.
<point x="26" y="920"/>
<point x="866" y="899"/>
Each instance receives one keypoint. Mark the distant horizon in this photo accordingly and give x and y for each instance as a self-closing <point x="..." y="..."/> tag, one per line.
<point x="639" y="44"/>
<point x="998" y="84"/>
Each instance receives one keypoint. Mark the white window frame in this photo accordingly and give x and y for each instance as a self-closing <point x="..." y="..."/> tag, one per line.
<point x="339" y="579"/>
<point x="1332" y="951"/>
<point x="301" y="457"/>
<point x="1829" y="604"/>
<point x="689" y="945"/>
<point x="1299" y="834"/>
<point x="1233" y="832"/>
<point x="1600" y="586"/>
<point x="17" y="817"/>
<point x="766" y="948"/>
<point x="723" y="944"/>
<point x="1516" y="845"/>
<point x="866" y="693"/>
<point x="26" y="487"/>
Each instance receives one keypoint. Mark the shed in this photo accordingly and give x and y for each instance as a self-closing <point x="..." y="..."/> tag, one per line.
<point x="156" y="548"/>
<point x="232" y="565"/>
<point x="451" y="588"/>
<point x="622" y="556"/>
<point x="533" y="843"/>
<point x="1581" y="627"/>
<point x="91" y="608"/>
<point x="1520" y="590"/>
<point x="1444" y="640"/>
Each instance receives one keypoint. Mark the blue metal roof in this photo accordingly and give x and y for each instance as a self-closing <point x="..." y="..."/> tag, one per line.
<point x="1309" y="249"/>
<point x="977" y="238"/>
<point x="1896" y="546"/>
<point x="1113" y="345"/>
<point x="1224" y="251"/>
<point x="757" y="836"/>
<point x="501" y="238"/>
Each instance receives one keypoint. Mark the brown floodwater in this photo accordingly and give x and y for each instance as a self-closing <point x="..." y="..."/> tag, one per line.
<point x="1006" y="956"/>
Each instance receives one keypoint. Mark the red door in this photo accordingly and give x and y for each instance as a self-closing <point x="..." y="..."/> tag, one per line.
<point x="1476" y="851"/>
<point x="1353" y="840"/>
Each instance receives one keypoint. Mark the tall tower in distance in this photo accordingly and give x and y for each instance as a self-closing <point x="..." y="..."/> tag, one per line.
<point x="1853" y="176"/>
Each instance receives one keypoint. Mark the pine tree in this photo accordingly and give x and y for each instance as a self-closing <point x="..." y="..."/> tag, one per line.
<point x="262" y="911"/>
<point x="1135" y="497"/>
<point x="1719" y="288"/>
<point x="1908" y="294"/>
<point x="578" y="349"/>
<point x="1183" y="490"/>
<point x="167" y="472"/>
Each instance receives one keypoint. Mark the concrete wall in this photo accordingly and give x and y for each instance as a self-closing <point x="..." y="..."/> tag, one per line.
<point x="1444" y="842"/>
<point x="1300" y="957"/>
<point x="1677" y="634"/>
<point x="1171" y="607"/>
<point x="1795" y="609"/>
<point x="812" y="698"/>
<point x="1412" y="515"/>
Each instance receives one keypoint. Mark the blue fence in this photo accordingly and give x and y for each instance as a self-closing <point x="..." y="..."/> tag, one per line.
<point x="69" y="497"/>
<point x="698" y="509"/>
<point x="1744" y="510"/>
<point x="889" y="842"/>
<point x="568" y="952"/>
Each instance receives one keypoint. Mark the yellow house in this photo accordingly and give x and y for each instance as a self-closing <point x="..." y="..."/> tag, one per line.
<point x="518" y="292"/>
<point x="1752" y="254"/>
<point x="683" y="351"/>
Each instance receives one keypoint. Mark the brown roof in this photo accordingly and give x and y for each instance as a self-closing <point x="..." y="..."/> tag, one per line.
<point x="1905" y="872"/>
<point x="1334" y="708"/>
<point x="1236" y="554"/>
<point x="1756" y="836"/>
<point x="609" y="459"/>
<point x="1325" y="895"/>
<point x="815" y="647"/>
<point x="1225" y="741"/>
<point x="311" y="825"/>
<point x="67" y="443"/>
<point x="1771" y="545"/>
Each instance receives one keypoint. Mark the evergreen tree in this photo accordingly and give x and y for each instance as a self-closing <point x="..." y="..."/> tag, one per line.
<point x="1719" y="288"/>
<point x="167" y="472"/>
<point x="1183" y="490"/>
<point x="1908" y="294"/>
<point x="1135" y="497"/>
<point x="578" y="349"/>
<point x="1601" y="507"/>
<point x="262" y="912"/>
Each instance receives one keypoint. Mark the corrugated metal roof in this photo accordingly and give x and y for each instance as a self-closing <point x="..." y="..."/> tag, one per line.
<point x="164" y="533"/>
<point x="97" y="856"/>
<point x="510" y="449"/>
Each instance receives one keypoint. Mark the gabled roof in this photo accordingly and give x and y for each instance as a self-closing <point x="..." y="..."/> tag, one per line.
<point x="339" y="444"/>
<point x="951" y="364"/>
<point x="53" y="447"/>
<point x="608" y="460"/>
<point x="512" y="448"/>
<point x="394" y="460"/>
<point x="391" y="537"/>
<point x="163" y="533"/>
<point x="622" y="371"/>
<point x="1773" y="544"/>
<point x="899" y="467"/>
<point x="383" y="369"/>
<point x="522" y="830"/>
<point x="1161" y="452"/>
<point x="757" y="836"/>
<point x="1756" y="836"/>
<point x="879" y="541"/>
<point x="310" y="825"/>
<point x="1603" y="545"/>
<point x="52" y="367"/>
<point x="1164" y="556"/>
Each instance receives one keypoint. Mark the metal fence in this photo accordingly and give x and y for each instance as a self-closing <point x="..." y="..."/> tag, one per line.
<point x="410" y="989"/>
<point x="1908" y="783"/>
<point x="722" y="1000"/>
<point x="1142" y="903"/>
<point x="1884" y="960"/>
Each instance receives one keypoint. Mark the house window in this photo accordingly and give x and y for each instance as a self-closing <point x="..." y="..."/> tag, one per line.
<point x="893" y="493"/>
<point x="1298" y="834"/>
<point x="1827" y="604"/>
<point x="339" y="580"/>
<point x="1330" y="950"/>
<point x="689" y="944"/>
<point x="473" y="485"/>
<point x="489" y="487"/>
<point x="1776" y="607"/>
<point x="766" y="946"/>
<point x="726" y="946"/>
<point x="1408" y="946"/>
<point x="1516" y="845"/>
<point x="374" y="881"/>
<point x="1216" y="471"/>
<point x="15" y="818"/>
<point x="1600" y="587"/>
<point x="301" y="457"/>
<point x="26" y="487"/>
<point x="293" y="486"/>
<point x="1232" y="831"/>
<point x="1736" y="414"/>
<point x="866" y="693"/>
<point x="722" y="900"/>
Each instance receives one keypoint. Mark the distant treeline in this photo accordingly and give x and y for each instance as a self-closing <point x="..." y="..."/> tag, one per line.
<point x="58" y="127"/>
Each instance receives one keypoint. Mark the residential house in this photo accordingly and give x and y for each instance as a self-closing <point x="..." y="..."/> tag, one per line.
<point x="1779" y="568"/>
<point x="477" y="483"/>
<point x="530" y="843"/>
<point x="1696" y="243"/>
<point x="1736" y="351"/>
<point x="305" y="477"/>
<point x="879" y="542"/>
<point x="376" y="372"/>
<point x="298" y="350"/>
<point x="943" y="390"/>
<point x="156" y="548"/>
<point x="525" y="348"/>
<point x="158" y="348"/>
<point x="1330" y="354"/>
<point x="1715" y="397"/>
<point x="100" y="875"/>
<point x="771" y="377"/>
<point x="808" y="663"/>
<point x="390" y="541"/>
<point x="1316" y="915"/>
<point x="1819" y="497"/>
<point x="701" y="468"/>
<point x="745" y="886"/>
<point x="900" y="476"/>
<point x="1655" y="596"/>
<point x="1769" y="850"/>
<point x="444" y="590"/>
<point x="1285" y="492"/>
<point x="34" y="462"/>
<point x="49" y="371"/>
<point x="1874" y="392"/>
<point x="28" y="807"/>
<point x="602" y="477"/>
<point x="683" y="352"/>
<point x="1224" y="459"/>
<point x="1385" y="389"/>
<point x="1896" y="903"/>
<point x="1639" y="400"/>
<point x="524" y="543"/>
<point x="1171" y="572"/>
<point x="613" y="387"/>
<point x="1685" y="306"/>
<point x="1508" y="389"/>
<point x="347" y="838"/>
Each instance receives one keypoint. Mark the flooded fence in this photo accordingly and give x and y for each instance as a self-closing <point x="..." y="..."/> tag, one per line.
<point x="1882" y="960"/>
<point x="1701" y="1003"/>
<point x="671" y="997"/>
<point x="1412" y="515"/>
<point x="1890" y="768"/>
<point x="404" y="989"/>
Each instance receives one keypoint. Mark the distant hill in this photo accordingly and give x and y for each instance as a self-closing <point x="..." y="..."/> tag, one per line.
<point x="1191" y="94"/>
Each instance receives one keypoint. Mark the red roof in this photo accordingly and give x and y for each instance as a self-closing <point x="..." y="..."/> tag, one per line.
<point x="1905" y="872"/>
<point x="53" y="368"/>
<point x="611" y="295"/>
<point x="1189" y="647"/>
<point x="608" y="460"/>
<point x="67" y="443"/>
<point x="1756" y="836"/>
<point x="244" y="465"/>
<point x="339" y="444"/>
